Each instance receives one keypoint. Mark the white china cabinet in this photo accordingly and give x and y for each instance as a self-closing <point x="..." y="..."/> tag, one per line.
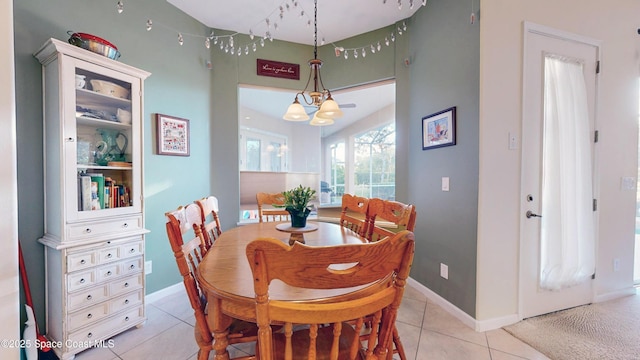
<point x="94" y="225"/>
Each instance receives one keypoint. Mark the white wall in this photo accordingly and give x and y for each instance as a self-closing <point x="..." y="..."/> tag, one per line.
<point x="613" y="22"/>
<point x="303" y="139"/>
<point x="9" y="314"/>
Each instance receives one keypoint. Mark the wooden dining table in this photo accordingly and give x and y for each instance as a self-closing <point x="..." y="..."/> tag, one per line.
<point x="225" y="275"/>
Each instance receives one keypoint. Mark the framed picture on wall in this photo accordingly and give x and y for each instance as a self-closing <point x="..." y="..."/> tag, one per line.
<point x="172" y="135"/>
<point x="439" y="129"/>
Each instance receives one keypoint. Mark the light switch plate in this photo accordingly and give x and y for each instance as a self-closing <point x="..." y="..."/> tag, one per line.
<point x="444" y="271"/>
<point x="445" y="184"/>
<point x="513" y="141"/>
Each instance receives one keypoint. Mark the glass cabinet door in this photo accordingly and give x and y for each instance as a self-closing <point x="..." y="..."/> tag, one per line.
<point x="101" y="125"/>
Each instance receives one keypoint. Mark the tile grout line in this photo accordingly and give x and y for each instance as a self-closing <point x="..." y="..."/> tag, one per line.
<point x="424" y="316"/>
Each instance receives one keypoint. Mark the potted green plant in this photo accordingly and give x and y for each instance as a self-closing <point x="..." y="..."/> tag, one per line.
<point x="296" y="202"/>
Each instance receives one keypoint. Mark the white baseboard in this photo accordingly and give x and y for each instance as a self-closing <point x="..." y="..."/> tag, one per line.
<point x="477" y="325"/>
<point x="615" y="294"/>
<point x="443" y="303"/>
<point x="169" y="290"/>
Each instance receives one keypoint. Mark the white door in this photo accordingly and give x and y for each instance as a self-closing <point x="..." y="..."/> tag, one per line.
<point x="540" y="43"/>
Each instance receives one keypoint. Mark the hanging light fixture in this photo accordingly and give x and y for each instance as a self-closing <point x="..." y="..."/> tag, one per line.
<point x="327" y="108"/>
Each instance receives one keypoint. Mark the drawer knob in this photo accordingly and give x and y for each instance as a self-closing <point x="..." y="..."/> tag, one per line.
<point x="89" y="316"/>
<point x="83" y="261"/>
<point x="126" y="284"/>
<point x="125" y="225"/>
<point x="109" y="273"/>
<point x="109" y="256"/>
<point x="126" y="301"/>
<point x="132" y="267"/>
<point x="132" y="250"/>
<point x="89" y="297"/>
<point x="89" y="335"/>
<point x="88" y="231"/>
<point x="126" y="318"/>
<point x="82" y="281"/>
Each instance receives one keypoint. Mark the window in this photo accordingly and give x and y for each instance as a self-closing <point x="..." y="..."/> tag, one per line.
<point x="253" y="154"/>
<point x="262" y="151"/>
<point x="332" y="192"/>
<point x="374" y="163"/>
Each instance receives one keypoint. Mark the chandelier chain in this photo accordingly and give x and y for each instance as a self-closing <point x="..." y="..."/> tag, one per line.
<point x="315" y="29"/>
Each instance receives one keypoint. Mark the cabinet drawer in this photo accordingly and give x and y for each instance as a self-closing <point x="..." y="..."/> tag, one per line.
<point x="81" y="279"/>
<point x="79" y="231"/>
<point x="109" y="254"/>
<point x="132" y="249"/>
<point x="87" y="297"/>
<point x="89" y="315"/>
<point x="132" y="266"/>
<point x="81" y="261"/>
<point x="125" y="285"/>
<point x="108" y="272"/>
<point x="109" y="326"/>
<point x="128" y="300"/>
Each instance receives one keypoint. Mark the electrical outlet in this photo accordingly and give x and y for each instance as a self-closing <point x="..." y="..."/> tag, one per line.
<point x="616" y="264"/>
<point x="148" y="267"/>
<point x="444" y="271"/>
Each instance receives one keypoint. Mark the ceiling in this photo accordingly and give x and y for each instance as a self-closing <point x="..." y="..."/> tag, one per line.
<point x="337" y="19"/>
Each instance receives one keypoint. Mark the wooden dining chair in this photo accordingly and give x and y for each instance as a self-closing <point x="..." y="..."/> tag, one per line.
<point x="354" y="213"/>
<point x="267" y="212"/>
<point x="327" y="333"/>
<point x="402" y="217"/>
<point x="210" y="222"/>
<point x="189" y="248"/>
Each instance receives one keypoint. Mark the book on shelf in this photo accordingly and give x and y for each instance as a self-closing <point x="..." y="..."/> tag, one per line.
<point x="84" y="192"/>
<point x="121" y="190"/>
<point x="99" y="200"/>
<point x="95" y="202"/>
<point x="97" y="191"/>
<point x="108" y="192"/>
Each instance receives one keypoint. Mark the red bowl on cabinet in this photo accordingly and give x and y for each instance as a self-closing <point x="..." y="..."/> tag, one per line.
<point x="94" y="44"/>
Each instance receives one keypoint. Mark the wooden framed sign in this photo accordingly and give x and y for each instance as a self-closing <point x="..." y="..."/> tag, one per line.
<point x="278" y="69"/>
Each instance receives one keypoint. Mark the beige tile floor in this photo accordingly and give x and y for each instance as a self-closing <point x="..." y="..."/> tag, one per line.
<point x="427" y="332"/>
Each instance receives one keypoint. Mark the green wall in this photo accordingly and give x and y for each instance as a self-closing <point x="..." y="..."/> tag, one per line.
<point x="443" y="51"/>
<point x="179" y="85"/>
<point x="445" y="54"/>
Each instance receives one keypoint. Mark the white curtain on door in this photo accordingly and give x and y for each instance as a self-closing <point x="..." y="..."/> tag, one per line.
<point x="567" y="223"/>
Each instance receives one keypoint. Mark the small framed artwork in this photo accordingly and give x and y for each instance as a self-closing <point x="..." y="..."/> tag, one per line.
<point x="439" y="129"/>
<point x="172" y="135"/>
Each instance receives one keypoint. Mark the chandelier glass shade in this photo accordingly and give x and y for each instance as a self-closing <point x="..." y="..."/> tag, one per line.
<point x="319" y="97"/>
<point x="318" y="121"/>
<point x="296" y="112"/>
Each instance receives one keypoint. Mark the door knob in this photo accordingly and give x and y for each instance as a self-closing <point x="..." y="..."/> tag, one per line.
<point x="530" y="214"/>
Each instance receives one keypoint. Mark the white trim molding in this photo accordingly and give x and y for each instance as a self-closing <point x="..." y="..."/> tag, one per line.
<point x="480" y="326"/>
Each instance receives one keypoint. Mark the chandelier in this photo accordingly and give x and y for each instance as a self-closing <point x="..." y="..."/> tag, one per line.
<point x="326" y="108"/>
